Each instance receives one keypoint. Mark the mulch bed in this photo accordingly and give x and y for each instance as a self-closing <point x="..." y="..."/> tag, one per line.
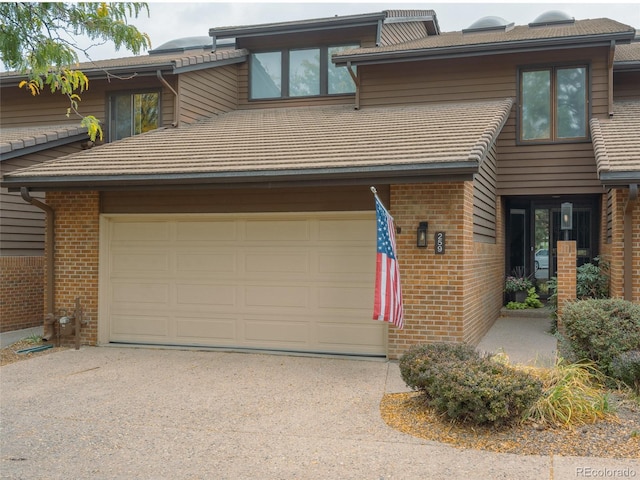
<point x="618" y="436"/>
<point x="9" y="354"/>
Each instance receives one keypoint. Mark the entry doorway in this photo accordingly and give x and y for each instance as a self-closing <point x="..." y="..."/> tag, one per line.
<point x="533" y="230"/>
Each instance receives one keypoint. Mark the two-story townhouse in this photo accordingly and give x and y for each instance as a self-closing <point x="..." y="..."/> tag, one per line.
<point x="255" y="227"/>
<point x="177" y="83"/>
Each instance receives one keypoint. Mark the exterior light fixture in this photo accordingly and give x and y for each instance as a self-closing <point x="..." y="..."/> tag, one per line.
<point x="421" y="236"/>
<point x="566" y="218"/>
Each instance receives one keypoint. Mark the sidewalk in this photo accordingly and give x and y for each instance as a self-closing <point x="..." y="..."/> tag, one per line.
<point x="8" y="338"/>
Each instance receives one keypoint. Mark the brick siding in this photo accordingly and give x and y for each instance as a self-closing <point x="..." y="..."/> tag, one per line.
<point x="21" y="292"/>
<point x="76" y="257"/>
<point x="454" y="297"/>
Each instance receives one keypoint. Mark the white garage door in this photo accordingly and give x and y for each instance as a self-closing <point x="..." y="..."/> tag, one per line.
<point x="294" y="282"/>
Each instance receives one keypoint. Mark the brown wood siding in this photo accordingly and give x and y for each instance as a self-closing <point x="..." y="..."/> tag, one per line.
<point x="521" y="169"/>
<point x="626" y="86"/>
<point x="244" y="200"/>
<point x="208" y="92"/>
<point x="364" y="36"/>
<point x="20" y="108"/>
<point x="484" y="200"/>
<point x="22" y="224"/>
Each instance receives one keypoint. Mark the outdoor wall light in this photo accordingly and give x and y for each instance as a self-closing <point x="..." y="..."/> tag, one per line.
<point x="566" y="218"/>
<point x="421" y="236"/>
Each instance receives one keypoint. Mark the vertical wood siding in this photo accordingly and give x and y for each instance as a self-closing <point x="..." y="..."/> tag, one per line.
<point x="520" y="169"/>
<point x="208" y="92"/>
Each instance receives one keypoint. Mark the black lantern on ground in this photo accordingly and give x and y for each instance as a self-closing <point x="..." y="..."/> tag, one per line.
<point x="421" y="236"/>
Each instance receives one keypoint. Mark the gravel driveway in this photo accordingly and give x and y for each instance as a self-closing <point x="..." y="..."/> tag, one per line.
<point x="129" y="413"/>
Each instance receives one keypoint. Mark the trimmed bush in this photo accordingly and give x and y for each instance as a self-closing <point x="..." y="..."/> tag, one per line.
<point x="420" y="363"/>
<point x="626" y="367"/>
<point x="481" y="391"/>
<point x="467" y="387"/>
<point x="601" y="329"/>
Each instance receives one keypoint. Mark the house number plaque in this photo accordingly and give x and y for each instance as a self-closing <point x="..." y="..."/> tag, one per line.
<point x="439" y="242"/>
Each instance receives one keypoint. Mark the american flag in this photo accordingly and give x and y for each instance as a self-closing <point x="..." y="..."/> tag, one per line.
<point x="387" y="304"/>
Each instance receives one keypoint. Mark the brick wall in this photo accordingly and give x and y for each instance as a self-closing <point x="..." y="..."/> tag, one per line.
<point x="21" y="292"/>
<point x="614" y="251"/>
<point x="454" y="297"/>
<point x="567" y="256"/>
<point x="76" y="256"/>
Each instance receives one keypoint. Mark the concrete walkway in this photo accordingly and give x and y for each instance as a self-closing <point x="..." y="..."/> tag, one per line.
<point x="523" y="335"/>
<point x="8" y="338"/>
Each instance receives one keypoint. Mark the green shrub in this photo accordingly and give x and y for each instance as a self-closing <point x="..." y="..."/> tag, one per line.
<point x="626" y="367"/>
<point x="601" y="329"/>
<point x="420" y="362"/>
<point x="459" y="382"/>
<point x="481" y="391"/>
<point x="592" y="280"/>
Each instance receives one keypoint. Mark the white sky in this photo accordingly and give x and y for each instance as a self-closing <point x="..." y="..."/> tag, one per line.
<point x="171" y="20"/>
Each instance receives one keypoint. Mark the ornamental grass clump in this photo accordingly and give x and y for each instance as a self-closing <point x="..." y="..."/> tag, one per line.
<point x="572" y="395"/>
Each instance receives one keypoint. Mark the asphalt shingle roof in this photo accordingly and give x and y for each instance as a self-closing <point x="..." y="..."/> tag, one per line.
<point x="616" y="144"/>
<point x="252" y="143"/>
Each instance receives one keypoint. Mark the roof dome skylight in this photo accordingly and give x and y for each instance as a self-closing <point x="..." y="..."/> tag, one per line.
<point x="184" y="44"/>
<point x="488" y="24"/>
<point x="552" y="17"/>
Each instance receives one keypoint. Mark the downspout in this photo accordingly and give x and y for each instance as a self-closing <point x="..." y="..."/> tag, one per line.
<point x="612" y="52"/>
<point x="356" y="80"/>
<point x="175" y="97"/>
<point x="49" y="242"/>
<point x="627" y="242"/>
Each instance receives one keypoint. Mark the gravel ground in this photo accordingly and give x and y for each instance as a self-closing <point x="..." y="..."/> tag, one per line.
<point x="616" y="437"/>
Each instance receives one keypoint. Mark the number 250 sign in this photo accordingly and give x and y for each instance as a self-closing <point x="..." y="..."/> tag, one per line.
<point x="439" y="242"/>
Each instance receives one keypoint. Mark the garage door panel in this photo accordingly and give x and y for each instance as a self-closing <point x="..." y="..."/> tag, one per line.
<point x="345" y="297"/>
<point x="205" y="294"/>
<point x="280" y="297"/>
<point x="207" y="231"/>
<point x="276" y="333"/>
<point x="338" y="335"/>
<point x="125" y="326"/>
<point x="277" y="230"/>
<point x="220" y="330"/>
<point x="122" y="263"/>
<point x="206" y="262"/>
<point x="273" y="261"/>
<point x="141" y="232"/>
<point x="140" y="293"/>
<point x="299" y="282"/>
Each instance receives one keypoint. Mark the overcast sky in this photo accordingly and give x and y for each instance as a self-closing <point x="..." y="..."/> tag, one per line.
<point x="171" y="20"/>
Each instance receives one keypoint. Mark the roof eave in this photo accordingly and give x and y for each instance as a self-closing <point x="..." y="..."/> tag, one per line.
<point x="348" y="21"/>
<point x="458" y="51"/>
<point x="423" y="172"/>
<point x="619" y="178"/>
<point x="18" y="152"/>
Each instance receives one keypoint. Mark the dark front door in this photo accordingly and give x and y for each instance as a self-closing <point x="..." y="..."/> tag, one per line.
<point x="533" y="230"/>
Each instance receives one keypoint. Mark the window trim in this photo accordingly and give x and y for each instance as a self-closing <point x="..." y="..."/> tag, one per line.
<point x="325" y="64"/>
<point x="554" y="67"/>
<point x="114" y="93"/>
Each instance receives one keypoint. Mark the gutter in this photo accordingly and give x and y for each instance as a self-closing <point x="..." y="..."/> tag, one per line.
<point x="175" y="98"/>
<point x="49" y="242"/>
<point x="627" y="242"/>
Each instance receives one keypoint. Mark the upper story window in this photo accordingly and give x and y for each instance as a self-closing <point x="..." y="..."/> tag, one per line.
<point x="554" y="104"/>
<point x="301" y="72"/>
<point x="133" y="113"/>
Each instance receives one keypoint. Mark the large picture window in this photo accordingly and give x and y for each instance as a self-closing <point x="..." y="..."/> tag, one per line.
<point x="553" y="104"/>
<point x="133" y="113"/>
<point x="303" y="72"/>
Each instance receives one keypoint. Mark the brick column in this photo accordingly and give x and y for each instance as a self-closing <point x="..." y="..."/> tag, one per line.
<point x="567" y="256"/>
